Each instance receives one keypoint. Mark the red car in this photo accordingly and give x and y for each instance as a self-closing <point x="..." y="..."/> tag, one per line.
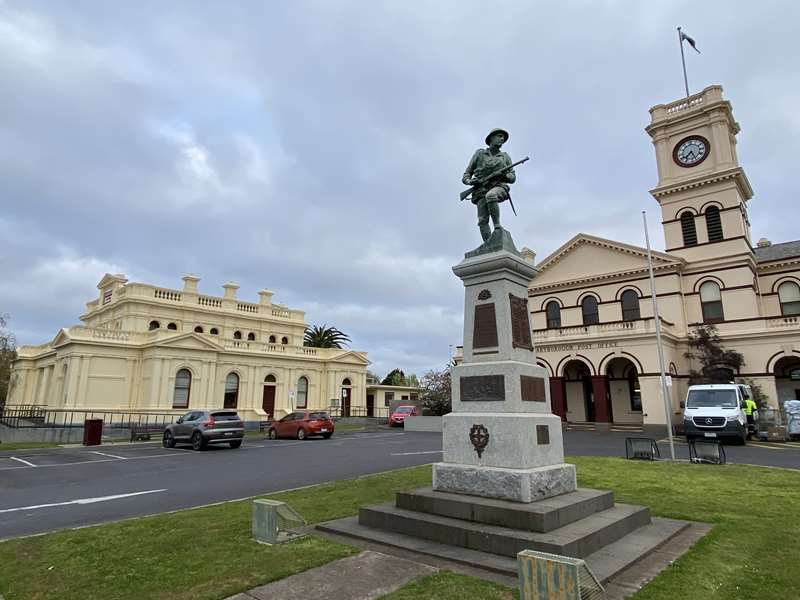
<point x="398" y="416"/>
<point x="301" y="424"/>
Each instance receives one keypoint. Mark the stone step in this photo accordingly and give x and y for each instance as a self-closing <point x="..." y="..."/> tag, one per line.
<point x="577" y="539"/>
<point x="604" y="563"/>
<point x="542" y="516"/>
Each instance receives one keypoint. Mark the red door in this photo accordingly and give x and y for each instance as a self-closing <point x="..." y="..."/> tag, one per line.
<point x="268" y="400"/>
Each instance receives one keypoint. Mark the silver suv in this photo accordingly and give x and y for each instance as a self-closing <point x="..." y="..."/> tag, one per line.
<point x="203" y="427"/>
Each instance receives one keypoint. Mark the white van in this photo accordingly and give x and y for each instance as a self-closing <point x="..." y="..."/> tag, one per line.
<point x="716" y="411"/>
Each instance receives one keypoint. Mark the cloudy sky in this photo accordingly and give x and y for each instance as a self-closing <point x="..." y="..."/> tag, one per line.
<point x="316" y="148"/>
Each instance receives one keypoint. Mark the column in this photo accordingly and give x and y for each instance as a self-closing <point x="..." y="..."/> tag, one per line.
<point x="557" y="395"/>
<point x="602" y="408"/>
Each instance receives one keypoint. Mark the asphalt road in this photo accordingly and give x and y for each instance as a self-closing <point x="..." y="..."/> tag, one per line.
<point x="51" y="489"/>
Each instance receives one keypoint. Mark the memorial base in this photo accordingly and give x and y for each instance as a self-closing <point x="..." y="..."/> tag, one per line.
<point x="517" y="485"/>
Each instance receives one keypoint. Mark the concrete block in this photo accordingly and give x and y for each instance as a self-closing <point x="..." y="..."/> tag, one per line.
<point x="518" y="485"/>
<point x="513" y="441"/>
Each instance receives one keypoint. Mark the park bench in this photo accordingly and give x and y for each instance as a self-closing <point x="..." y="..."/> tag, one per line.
<point x="142" y="432"/>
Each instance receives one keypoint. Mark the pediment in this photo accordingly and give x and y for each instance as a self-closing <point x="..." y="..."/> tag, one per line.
<point x="188" y="341"/>
<point x="352" y="357"/>
<point x="62" y="337"/>
<point x="588" y="257"/>
<point x="110" y="279"/>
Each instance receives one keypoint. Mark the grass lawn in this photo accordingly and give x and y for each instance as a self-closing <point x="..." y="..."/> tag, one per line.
<point x="26" y="445"/>
<point x="752" y="552"/>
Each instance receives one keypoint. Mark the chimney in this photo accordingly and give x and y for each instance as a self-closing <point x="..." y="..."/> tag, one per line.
<point x="190" y="283"/>
<point x="230" y="290"/>
<point x="763" y="243"/>
<point x="528" y="254"/>
<point x="265" y="297"/>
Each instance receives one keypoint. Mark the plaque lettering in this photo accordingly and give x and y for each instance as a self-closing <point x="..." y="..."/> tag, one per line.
<point x="532" y="389"/>
<point x="484" y="332"/>
<point x="520" y="325"/>
<point x="483" y="388"/>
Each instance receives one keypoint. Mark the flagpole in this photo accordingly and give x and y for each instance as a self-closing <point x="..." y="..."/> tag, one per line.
<point x="683" y="61"/>
<point x="657" y="317"/>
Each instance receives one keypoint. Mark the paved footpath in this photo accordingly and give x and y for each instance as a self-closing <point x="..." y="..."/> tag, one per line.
<point x="365" y="576"/>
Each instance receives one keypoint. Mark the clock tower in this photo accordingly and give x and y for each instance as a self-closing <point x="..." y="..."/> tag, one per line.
<point x="702" y="190"/>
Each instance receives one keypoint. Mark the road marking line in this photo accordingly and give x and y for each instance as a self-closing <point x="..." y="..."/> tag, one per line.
<point x="24" y="462"/>
<point x="82" y="501"/>
<point x="111" y="455"/>
<point x="92" y="462"/>
<point x="760" y="445"/>
<point x="411" y="453"/>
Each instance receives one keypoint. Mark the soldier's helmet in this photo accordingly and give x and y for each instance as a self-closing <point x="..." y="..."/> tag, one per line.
<point x="493" y="131"/>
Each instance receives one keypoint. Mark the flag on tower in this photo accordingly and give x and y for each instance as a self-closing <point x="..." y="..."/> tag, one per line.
<point x="690" y="40"/>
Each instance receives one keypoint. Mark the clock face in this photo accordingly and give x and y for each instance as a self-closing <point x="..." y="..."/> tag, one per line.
<point x="691" y="151"/>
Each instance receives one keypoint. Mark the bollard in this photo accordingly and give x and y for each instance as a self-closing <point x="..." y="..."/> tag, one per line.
<point x="544" y="576"/>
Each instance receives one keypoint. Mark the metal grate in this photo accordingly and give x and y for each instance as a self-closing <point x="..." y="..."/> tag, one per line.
<point x="639" y="448"/>
<point x="275" y="522"/>
<point x="544" y="576"/>
<point x="712" y="453"/>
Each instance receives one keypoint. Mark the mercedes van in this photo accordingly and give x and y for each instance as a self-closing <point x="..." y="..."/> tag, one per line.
<point x="715" y="411"/>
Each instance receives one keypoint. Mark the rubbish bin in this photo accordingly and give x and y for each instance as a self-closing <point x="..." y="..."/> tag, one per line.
<point x="92" y="432"/>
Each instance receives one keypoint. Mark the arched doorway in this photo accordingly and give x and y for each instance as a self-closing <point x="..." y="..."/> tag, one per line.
<point x="624" y="391"/>
<point x="268" y="396"/>
<point x="787" y="379"/>
<point x="578" y="401"/>
<point x="347" y="395"/>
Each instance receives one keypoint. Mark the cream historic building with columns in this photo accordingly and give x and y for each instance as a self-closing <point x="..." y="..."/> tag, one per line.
<point x="591" y="302"/>
<point x="146" y="348"/>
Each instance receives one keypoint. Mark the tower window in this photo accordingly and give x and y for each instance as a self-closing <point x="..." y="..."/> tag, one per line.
<point x="237" y="335"/>
<point x="789" y="296"/>
<point x="198" y="329"/>
<point x="713" y="224"/>
<point x="214" y="331"/>
<point x="630" y="306"/>
<point x="711" y="302"/>
<point x="689" y="230"/>
<point x="553" y="311"/>
<point x="272" y="339"/>
<point x="284" y="340"/>
<point x="172" y="327"/>
<point x="591" y="315"/>
<point x="251" y="337"/>
<point x="154" y="325"/>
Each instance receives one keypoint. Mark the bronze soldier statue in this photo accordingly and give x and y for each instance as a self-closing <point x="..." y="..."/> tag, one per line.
<point x="490" y="171"/>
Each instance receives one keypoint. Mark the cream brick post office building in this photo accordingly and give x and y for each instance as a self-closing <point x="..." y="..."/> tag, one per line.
<point x="591" y="303"/>
<point x="145" y="348"/>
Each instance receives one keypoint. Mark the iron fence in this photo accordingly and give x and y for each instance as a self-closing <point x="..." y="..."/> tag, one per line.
<point x="28" y="417"/>
<point x="378" y="412"/>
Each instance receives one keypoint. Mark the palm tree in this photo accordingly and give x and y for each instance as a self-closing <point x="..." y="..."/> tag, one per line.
<point x="321" y="336"/>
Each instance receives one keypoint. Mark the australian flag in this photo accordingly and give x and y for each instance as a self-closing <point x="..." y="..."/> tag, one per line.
<point x="690" y="40"/>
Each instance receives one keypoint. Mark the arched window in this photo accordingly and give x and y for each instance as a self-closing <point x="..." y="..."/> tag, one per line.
<point x="214" y="331"/>
<point x="302" y="392"/>
<point x="172" y="327"/>
<point x="183" y="385"/>
<point x="231" y="391"/>
<point x="711" y="301"/>
<point x="237" y="335"/>
<point x="688" y="228"/>
<point x="198" y="329"/>
<point x="553" y="311"/>
<point x="713" y="224"/>
<point x="269" y="379"/>
<point x="630" y="306"/>
<point x="591" y="316"/>
<point x="346" y="381"/>
<point x="789" y="295"/>
<point x="251" y="337"/>
<point x="154" y="325"/>
<point x="284" y="340"/>
<point x="272" y="339"/>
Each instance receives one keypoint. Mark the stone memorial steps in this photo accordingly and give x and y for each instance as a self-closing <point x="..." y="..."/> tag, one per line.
<point x="577" y="539"/>
<point x="605" y="563"/>
<point x="542" y="516"/>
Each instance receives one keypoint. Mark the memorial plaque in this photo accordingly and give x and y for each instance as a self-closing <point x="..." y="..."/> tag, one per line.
<point x="520" y="324"/>
<point x="542" y="435"/>
<point x="483" y="388"/>
<point x="532" y="389"/>
<point x="484" y="332"/>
